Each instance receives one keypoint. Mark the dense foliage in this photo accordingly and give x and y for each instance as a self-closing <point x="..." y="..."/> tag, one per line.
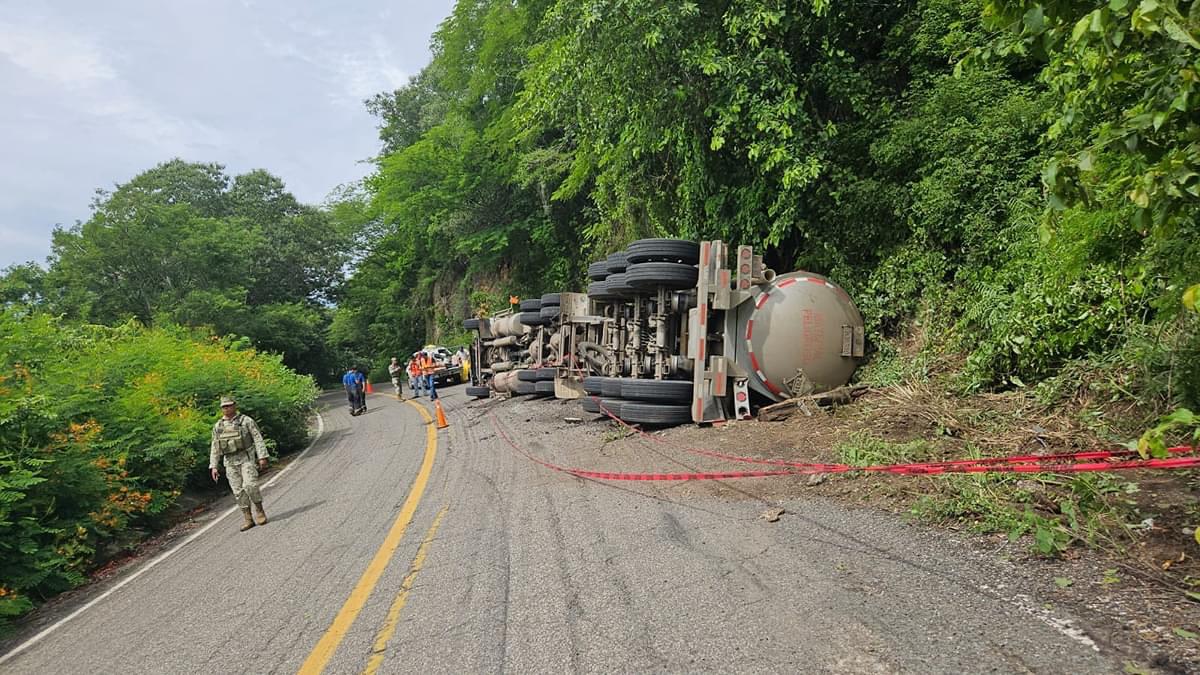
<point x="1022" y="170"/>
<point x="184" y="243"/>
<point x="100" y="429"/>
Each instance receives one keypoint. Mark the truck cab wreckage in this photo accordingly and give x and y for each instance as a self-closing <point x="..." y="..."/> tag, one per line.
<point x="673" y="331"/>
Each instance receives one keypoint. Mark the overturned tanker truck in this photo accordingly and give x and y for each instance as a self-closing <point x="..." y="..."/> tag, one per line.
<point x="673" y="331"/>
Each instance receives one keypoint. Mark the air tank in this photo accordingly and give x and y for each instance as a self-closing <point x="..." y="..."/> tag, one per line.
<point x="508" y="326"/>
<point x="800" y="334"/>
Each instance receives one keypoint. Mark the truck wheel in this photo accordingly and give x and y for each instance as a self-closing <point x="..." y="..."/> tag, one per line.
<point x="544" y="387"/>
<point x="616" y="262"/>
<point x="592" y="384"/>
<point x="549" y="314"/>
<point x="597" y="271"/>
<point x="664" y="250"/>
<point x="655" y="413"/>
<point x="528" y="375"/>
<point x="471" y="324"/>
<point x="650" y="275"/>
<point x="598" y="290"/>
<point x="530" y="318"/>
<point x="479" y="392"/>
<point x="531" y="305"/>
<point x="611" y="387"/>
<point x="524" y="388"/>
<point x="657" y="391"/>
<point x="549" y="299"/>
<point x="547" y="373"/>
<point x="591" y="405"/>
<point x="618" y="285"/>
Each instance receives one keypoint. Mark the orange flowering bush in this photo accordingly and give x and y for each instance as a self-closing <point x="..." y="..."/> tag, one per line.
<point x="100" y="430"/>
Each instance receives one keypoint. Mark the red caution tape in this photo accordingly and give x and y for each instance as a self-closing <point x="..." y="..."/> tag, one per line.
<point x="1070" y="462"/>
<point x="1076" y="462"/>
<point x="612" y="475"/>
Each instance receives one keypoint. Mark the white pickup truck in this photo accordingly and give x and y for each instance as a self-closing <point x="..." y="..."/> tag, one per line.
<point x="445" y="373"/>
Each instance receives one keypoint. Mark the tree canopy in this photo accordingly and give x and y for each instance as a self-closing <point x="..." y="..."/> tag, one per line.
<point x="185" y="243"/>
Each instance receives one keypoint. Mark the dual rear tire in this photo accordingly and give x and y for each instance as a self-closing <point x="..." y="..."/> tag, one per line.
<point x="654" y="402"/>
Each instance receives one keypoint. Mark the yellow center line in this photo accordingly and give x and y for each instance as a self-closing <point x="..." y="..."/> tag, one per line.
<point x="393" y="617"/>
<point x="323" y="652"/>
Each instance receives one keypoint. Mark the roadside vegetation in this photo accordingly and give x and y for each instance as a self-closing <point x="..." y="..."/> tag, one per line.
<point x="101" y="428"/>
<point x="1016" y="182"/>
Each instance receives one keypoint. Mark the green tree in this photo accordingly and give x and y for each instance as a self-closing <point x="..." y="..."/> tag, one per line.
<point x="184" y="243"/>
<point x="451" y="209"/>
<point x="22" y="285"/>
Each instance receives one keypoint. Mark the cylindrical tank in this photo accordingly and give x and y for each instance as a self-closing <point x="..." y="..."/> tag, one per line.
<point x="505" y="382"/>
<point x="797" y="336"/>
<point x="508" y="326"/>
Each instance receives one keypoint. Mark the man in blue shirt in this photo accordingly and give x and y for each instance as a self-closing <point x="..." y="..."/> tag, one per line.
<point x="353" y="381"/>
<point x="360" y="379"/>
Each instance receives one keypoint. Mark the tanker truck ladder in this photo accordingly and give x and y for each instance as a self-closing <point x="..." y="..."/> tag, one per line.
<point x="711" y="372"/>
<point x="576" y="322"/>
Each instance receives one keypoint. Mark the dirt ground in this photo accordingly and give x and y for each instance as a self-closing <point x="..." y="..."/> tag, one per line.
<point x="1132" y="589"/>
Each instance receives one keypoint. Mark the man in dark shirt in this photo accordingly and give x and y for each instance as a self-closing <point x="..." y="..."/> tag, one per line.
<point x="352" y="381"/>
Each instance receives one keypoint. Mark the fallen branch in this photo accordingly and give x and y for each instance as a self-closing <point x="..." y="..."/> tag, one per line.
<point x="829" y="399"/>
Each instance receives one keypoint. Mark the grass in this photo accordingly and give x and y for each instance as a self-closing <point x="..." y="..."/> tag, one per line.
<point x="1054" y="511"/>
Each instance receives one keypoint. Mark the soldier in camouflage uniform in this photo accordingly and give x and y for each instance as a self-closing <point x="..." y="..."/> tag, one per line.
<point x="238" y="443"/>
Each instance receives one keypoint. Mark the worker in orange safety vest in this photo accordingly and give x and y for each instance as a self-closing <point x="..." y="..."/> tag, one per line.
<point x="428" y="368"/>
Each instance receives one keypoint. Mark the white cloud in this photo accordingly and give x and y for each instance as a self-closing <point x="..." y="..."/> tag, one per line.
<point x="352" y="75"/>
<point x="365" y="73"/>
<point x="62" y="58"/>
<point x="75" y="62"/>
<point x="15" y="236"/>
<point x="143" y="122"/>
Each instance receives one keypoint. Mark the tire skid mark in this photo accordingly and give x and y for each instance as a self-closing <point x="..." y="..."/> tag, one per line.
<point x="574" y="608"/>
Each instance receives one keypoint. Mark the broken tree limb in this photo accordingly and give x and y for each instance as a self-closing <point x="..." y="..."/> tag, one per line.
<point x="832" y="398"/>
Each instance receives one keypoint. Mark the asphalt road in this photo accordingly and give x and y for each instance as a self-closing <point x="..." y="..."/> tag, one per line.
<point x="506" y="566"/>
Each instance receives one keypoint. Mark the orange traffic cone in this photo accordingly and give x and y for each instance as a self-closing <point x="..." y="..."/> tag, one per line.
<point x="441" y="414"/>
<point x="370" y="389"/>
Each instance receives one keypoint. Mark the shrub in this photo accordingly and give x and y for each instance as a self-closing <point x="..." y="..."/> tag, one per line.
<point x="100" y="428"/>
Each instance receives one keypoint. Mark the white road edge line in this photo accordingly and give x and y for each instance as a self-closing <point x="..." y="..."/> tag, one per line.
<point x="161" y="557"/>
<point x="1064" y="626"/>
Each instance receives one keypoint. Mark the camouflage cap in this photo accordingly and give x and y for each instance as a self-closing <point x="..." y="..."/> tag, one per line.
<point x="227" y="400"/>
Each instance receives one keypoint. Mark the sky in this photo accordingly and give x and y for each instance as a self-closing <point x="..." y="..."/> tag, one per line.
<point x="93" y="93"/>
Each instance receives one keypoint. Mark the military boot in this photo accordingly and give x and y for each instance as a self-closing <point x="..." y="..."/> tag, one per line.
<point x="262" y="515"/>
<point x="247" y="521"/>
